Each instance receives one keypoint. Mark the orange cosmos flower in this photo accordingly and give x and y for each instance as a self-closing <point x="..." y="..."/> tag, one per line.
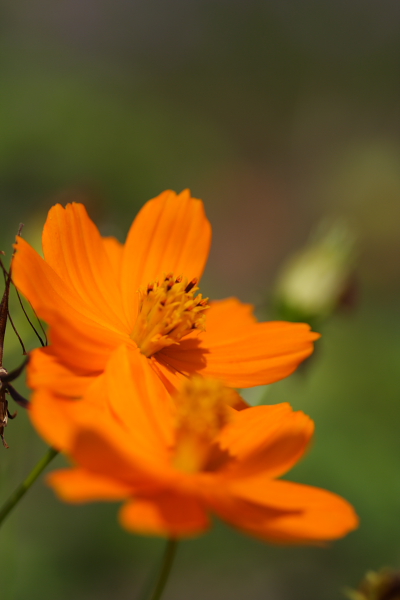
<point x="97" y="294"/>
<point x="176" y="461"/>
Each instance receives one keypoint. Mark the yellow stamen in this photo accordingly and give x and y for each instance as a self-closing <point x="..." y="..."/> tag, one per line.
<point x="202" y="411"/>
<point x="168" y="311"/>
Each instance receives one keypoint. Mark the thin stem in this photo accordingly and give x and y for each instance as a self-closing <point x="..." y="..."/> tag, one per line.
<point x="25" y="485"/>
<point x="168" y="559"/>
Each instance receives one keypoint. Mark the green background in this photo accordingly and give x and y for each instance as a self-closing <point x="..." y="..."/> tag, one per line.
<point x="276" y="114"/>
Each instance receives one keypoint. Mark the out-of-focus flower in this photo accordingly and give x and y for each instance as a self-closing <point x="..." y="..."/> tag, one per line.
<point x="177" y="460"/>
<point x="318" y="278"/>
<point x="97" y="294"/>
<point x="380" y="585"/>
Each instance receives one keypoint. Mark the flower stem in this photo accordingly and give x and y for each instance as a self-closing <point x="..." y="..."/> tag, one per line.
<point x="168" y="559"/>
<point x="25" y="485"/>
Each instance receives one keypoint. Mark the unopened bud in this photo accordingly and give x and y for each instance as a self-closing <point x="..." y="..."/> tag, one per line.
<point x="314" y="281"/>
<point x="381" y="585"/>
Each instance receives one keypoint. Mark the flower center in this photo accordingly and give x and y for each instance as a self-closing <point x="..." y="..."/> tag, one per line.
<point x="202" y="411"/>
<point x="168" y="311"/>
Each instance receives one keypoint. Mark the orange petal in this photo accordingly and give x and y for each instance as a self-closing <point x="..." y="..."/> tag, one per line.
<point x="267" y="439"/>
<point x="84" y="349"/>
<point x="53" y="418"/>
<point x="43" y="287"/>
<point x="139" y="401"/>
<point x="59" y="305"/>
<point x="240" y="352"/>
<point x="171" y="234"/>
<point x="57" y="418"/>
<point x="78" y="485"/>
<point x="44" y="371"/>
<point x="228" y="318"/>
<point x="132" y="440"/>
<point x="166" y="514"/>
<point x="171" y="378"/>
<point x="106" y="448"/>
<point x="73" y="247"/>
<point x="115" y="251"/>
<point x="127" y="403"/>
<point x="303" y="513"/>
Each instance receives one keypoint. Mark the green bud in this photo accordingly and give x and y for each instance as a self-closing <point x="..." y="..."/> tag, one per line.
<point x="381" y="585"/>
<point x="315" y="280"/>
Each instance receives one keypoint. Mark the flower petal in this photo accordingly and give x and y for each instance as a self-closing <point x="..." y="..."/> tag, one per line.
<point x="302" y="513"/>
<point x="79" y="485"/>
<point x="171" y="378"/>
<point x="167" y="514"/>
<point x="60" y="306"/>
<point x="115" y="251"/>
<point x="45" y="371"/>
<point x="228" y="318"/>
<point x="266" y="439"/>
<point x="83" y="348"/>
<point x="239" y="351"/>
<point x="132" y="438"/>
<point x="44" y="288"/>
<point x="73" y="247"/>
<point x="171" y="234"/>
<point x="57" y="418"/>
<point x="139" y="401"/>
<point x="106" y="448"/>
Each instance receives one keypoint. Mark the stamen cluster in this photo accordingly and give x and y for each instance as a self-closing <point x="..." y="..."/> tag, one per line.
<point x="168" y="311"/>
<point x="202" y="411"/>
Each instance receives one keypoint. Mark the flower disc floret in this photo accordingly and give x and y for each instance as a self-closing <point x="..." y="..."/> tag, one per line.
<point x="167" y="312"/>
<point x="202" y="412"/>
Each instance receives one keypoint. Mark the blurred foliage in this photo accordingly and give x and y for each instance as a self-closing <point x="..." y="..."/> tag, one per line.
<point x="276" y="113"/>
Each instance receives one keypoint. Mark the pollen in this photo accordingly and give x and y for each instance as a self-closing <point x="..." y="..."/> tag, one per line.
<point x="202" y="411"/>
<point x="167" y="312"/>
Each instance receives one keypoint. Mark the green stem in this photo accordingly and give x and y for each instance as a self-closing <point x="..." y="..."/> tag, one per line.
<point x="25" y="485"/>
<point x="168" y="559"/>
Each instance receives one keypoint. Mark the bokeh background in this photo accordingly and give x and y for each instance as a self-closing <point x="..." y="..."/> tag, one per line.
<point x="277" y="114"/>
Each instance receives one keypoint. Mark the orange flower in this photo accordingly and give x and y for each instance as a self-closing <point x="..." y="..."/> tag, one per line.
<point x="176" y="461"/>
<point x="97" y="295"/>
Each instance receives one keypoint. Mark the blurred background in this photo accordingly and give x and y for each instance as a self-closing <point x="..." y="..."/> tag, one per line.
<point x="278" y="114"/>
